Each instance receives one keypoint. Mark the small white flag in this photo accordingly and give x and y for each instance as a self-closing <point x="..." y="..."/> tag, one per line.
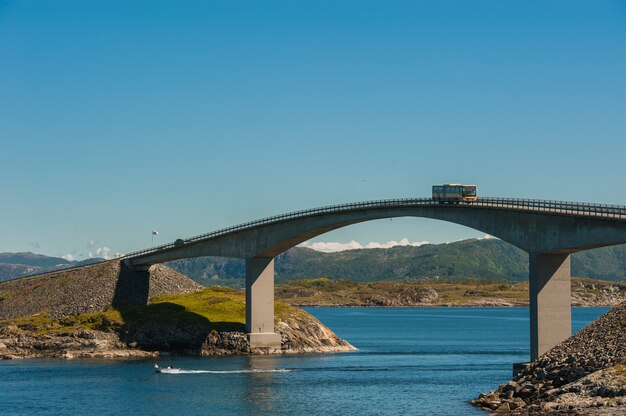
<point x="155" y="232"/>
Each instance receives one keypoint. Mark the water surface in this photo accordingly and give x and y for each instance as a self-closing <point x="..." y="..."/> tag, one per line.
<point x="410" y="361"/>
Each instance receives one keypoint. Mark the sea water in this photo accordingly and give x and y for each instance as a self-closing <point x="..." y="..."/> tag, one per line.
<point x="411" y="361"/>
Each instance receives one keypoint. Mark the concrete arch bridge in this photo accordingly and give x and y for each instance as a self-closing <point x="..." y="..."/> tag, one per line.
<point x="548" y="230"/>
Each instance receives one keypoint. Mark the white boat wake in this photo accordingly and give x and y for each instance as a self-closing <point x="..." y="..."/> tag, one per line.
<point x="169" y="370"/>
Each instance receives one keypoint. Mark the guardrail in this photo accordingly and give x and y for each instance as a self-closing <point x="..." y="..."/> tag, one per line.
<point x="532" y="205"/>
<point x="539" y="205"/>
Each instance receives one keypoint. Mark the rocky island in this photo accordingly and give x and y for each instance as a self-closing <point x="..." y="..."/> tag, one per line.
<point x="430" y="292"/>
<point x="108" y="311"/>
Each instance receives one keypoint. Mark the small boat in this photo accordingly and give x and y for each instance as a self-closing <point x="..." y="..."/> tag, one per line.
<point x="167" y="370"/>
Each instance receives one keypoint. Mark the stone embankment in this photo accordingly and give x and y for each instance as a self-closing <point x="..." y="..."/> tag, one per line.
<point x="583" y="375"/>
<point x="29" y="306"/>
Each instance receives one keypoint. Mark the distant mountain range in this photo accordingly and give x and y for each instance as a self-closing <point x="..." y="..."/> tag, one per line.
<point x="14" y="265"/>
<point x="468" y="259"/>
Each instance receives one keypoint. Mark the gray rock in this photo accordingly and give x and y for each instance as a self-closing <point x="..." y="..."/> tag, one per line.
<point x="561" y="375"/>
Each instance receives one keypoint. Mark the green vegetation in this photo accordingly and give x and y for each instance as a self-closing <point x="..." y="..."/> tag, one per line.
<point x="620" y="368"/>
<point x="215" y="308"/>
<point x="470" y="259"/>
<point x="483" y="259"/>
<point x="325" y="284"/>
<point x="43" y="324"/>
<point x="465" y="292"/>
<point x="216" y="305"/>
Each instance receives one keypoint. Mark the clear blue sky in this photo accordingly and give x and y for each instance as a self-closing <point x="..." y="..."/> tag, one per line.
<point x="120" y="117"/>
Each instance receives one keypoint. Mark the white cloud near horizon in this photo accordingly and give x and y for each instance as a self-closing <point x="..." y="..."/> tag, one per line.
<point x="92" y="250"/>
<point x="323" y="246"/>
<point x="333" y="247"/>
<point x="103" y="252"/>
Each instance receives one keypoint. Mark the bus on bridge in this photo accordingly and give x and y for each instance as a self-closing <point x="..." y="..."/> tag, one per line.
<point x="454" y="193"/>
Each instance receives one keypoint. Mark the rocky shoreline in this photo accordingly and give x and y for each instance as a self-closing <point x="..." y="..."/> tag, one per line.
<point x="299" y="335"/>
<point x="97" y="312"/>
<point x="586" y="374"/>
<point x="330" y="293"/>
<point x="19" y="344"/>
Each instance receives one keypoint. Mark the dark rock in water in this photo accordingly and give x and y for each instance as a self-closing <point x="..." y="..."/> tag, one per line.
<point x="511" y="386"/>
<point x="517" y="403"/>
<point x="504" y="408"/>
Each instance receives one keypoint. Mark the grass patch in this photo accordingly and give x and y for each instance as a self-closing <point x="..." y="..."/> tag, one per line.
<point x="214" y="308"/>
<point x="43" y="324"/>
<point x="620" y="368"/>
<point x="323" y="284"/>
<point x="213" y="304"/>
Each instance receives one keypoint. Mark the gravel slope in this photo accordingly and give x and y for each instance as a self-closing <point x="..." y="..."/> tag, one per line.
<point x="88" y="289"/>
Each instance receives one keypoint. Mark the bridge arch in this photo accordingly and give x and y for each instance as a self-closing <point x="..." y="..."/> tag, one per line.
<point x="549" y="231"/>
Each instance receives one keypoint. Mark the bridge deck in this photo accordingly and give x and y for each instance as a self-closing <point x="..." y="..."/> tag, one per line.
<point x="580" y="209"/>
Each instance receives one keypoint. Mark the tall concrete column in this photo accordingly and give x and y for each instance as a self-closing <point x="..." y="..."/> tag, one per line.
<point x="260" y="302"/>
<point x="550" y="301"/>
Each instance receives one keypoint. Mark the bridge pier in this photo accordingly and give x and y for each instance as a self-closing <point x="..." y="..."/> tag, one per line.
<point x="260" y="302"/>
<point x="550" y="301"/>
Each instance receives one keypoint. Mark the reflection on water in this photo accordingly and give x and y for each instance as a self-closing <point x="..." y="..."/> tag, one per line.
<point x="262" y="383"/>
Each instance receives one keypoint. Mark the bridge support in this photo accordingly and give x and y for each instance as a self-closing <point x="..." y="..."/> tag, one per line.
<point x="260" y="303"/>
<point x="550" y="301"/>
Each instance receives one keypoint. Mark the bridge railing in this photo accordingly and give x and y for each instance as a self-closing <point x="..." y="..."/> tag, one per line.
<point x="282" y="217"/>
<point x="533" y="205"/>
<point x="575" y="208"/>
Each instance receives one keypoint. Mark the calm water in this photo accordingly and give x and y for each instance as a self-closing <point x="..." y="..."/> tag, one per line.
<point x="411" y="361"/>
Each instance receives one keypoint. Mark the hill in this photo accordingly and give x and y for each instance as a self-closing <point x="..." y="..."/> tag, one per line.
<point x="31" y="259"/>
<point x="14" y="265"/>
<point x="470" y="259"/>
